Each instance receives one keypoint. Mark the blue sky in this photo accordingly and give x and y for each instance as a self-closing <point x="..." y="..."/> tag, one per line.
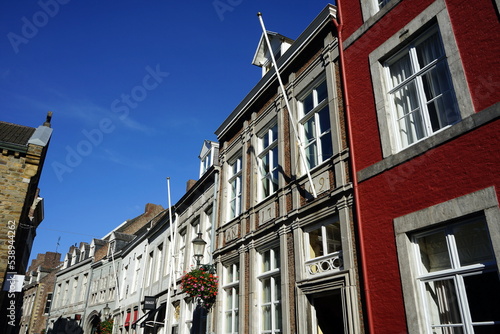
<point x="134" y="87"/>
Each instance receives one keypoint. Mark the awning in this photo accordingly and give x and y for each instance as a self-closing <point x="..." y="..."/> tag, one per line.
<point x="155" y="317"/>
<point x="127" y="319"/>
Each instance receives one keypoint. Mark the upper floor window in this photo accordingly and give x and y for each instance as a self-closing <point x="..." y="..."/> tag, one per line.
<point x="456" y="275"/>
<point x="268" y="161"/>
<point x="207" y="155"/>
<point x="421" y="92"/>
<point x="48" y="303"/>
<point x="324" y="253"/>
<point x="231" y="298"/>
<point x="270" y="292"/>
<point x="235" y="187"/>
<point x="315" y="125"/>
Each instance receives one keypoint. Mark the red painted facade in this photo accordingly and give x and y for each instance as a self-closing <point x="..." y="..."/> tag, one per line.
<point x="460" y="166"/>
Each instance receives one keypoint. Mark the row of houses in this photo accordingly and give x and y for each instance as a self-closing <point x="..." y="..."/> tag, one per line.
<point x="353" y="191"/>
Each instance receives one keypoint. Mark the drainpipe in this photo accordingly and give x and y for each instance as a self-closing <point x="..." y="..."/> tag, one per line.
<point x="357" y="212"/>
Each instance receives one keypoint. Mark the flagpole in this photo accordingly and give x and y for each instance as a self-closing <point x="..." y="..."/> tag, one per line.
<point x="171" y="259"/>
<point x="299" y="143"/>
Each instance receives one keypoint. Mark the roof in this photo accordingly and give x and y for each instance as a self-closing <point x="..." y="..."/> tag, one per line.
<point x="262" y="49"/>
<point x="15" y="136"/>
<point x="298" y="46"/>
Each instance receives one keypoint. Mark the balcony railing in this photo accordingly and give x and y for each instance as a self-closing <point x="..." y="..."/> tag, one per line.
<point x="325" y="264"/>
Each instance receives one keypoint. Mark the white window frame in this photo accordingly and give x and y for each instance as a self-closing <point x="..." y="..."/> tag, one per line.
<point x="206" y="161"/>
<point x="207" y="224"/>
<point x="455" y="273"/>
<point x="181" y="253"/>
<point x="415" y="79"/>
<point x="435" y="14"/>
<point x="273" y="274"/>
<point x="305" y="116"/>
<point x="482" y="202"/>
<point x="269" y="179"/>
<point x="231" y="287"/>
<point x="235" y="181"/>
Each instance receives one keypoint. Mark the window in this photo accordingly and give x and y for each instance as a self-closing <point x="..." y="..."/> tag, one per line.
<point x="150" y="268"/>
<point x="324" y="240"/>
<point x="235" y="179"/>
<point x="324" y="253"/>
<point x="457" y="274"/>
<point x="231" y="298"/>
<point x="207" y="236"/>
<point x="46" y="310"/>
<point x="159" y="255"/>
<point x="315" y="126"/>
<point x="268" y="161"/>
<point x="270" y="292"/>
<point x="74" y="289"/>
<point x="137" y="269"/>
<point x="180" y="254"/>
<point x="421" y="92"/>
<point x="83" y="292"/>
<point x="381" y="3"/>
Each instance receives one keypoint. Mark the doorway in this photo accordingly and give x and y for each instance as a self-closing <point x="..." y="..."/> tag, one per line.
<point x="329" y="312"/>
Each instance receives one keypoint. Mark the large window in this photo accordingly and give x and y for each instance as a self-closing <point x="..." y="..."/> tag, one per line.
<point x="421" y="92"/>
<point x="235" y="179"/>
<point x="315" y="125"/>
<point x="270" y="292"/>
<point x="268" y="161"/>
<point x="231" y="298"/>
<point x="457" y="275"/>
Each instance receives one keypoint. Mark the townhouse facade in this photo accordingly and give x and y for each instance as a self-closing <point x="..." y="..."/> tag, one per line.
<point x="23" y="151"/>
<point x="285" y="244"/>
<point x="421" y="83"/>
<point x="38" y="292"/>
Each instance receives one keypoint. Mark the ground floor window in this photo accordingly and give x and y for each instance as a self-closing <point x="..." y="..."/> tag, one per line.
<point x="458" y="278"/>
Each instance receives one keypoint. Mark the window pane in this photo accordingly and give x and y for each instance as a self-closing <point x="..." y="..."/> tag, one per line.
<point x="236" y="322"/>
<point x="483" y="295"/>
<point x="326" y="147"/>
<point x="266" y="261"/>
<point x="229" y="322"/>
<point x="333" y="238"/>
<point x="473" y="243"/>
<point x="307" y="103"/>
<point x="229" y="299"/>
<point x="310" y="130"/>
<point x="315" y="244"/>
<point x="324" y="120"/>
<point x="311" y="158"/>
<point x="408" y="114"/>
<point x="277" y="312"/>
<point x="266" y="290"/>
<point x="400" y="70"/>
<point x="434" y="252"/>
<point x="443" y="302"/>
<point x="429" y="50"/>
<point x="266" y="317"/>
<point x="276" y="254"/>
<point x="277" y="289"/>
<point x="322" y="92"/>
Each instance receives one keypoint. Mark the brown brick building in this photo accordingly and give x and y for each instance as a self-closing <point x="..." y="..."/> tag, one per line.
<point x="23" y="150"/>
<point x="38" y="291"/>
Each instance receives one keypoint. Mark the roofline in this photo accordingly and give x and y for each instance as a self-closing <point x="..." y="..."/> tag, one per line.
<point x="300" y="43"/>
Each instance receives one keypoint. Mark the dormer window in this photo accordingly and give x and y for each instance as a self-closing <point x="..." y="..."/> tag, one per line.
<point x="279" y="45"/>
<point x="208" y="155"/>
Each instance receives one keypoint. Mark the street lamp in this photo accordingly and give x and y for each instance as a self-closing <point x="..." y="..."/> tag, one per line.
<point x="198" y="248"/>
<point x="105" y="311"/>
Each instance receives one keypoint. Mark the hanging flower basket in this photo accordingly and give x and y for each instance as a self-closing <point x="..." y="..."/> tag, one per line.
<point x="105" y="327"/>
<point x="202" y="284"/>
